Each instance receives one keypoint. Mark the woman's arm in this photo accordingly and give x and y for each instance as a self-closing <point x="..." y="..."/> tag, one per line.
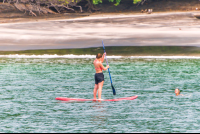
<point x="104" y="68"/>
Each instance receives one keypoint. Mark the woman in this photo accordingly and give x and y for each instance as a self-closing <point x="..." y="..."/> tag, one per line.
<point x="99" y="77"/>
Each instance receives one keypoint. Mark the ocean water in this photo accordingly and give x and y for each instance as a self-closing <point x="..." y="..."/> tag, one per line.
<point x="30" y="84"/>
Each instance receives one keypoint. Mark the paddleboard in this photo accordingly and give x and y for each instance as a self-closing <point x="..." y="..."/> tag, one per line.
<point x="79" y="99"/>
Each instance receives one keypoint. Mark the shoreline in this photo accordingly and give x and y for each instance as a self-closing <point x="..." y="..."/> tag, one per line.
<point x="126" y="51"/>
<point x="86" y="16"/>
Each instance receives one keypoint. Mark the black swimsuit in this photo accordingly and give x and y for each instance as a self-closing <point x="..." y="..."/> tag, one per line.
<point x="99" y="77"/>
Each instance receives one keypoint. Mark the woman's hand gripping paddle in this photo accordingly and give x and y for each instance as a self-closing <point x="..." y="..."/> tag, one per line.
<point x="113" y="89"/>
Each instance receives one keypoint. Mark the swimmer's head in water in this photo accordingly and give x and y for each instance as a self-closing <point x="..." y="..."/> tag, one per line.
<point x="177" y="91"/>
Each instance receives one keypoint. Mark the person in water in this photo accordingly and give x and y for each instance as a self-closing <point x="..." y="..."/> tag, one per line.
<point x="177" y="92"/>
<point x="99" y="77"/>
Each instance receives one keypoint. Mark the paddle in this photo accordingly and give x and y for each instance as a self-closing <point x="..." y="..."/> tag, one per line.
<point x="113" y="89"/>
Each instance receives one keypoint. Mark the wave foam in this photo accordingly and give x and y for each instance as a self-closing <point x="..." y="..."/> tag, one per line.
<point x="165" y="57"/>
<point x="93" y="56"/>
<point x="52" y="56"/>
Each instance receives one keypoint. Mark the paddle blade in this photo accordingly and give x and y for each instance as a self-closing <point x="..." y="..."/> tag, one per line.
<point x="113" y="89"/>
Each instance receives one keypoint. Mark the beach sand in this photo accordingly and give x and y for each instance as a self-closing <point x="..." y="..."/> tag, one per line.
<point x="115" y="29"/>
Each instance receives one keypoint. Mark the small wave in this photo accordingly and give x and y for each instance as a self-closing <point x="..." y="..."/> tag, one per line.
<point x="93" y="56"/>
<point x="165" y="57"/>
<point x="52" y="56"/>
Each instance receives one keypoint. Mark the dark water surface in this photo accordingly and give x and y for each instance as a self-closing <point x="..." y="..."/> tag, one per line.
<point x="29" y="87"/>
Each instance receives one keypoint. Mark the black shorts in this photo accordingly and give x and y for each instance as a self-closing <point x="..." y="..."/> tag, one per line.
<point x="99" y="77"/>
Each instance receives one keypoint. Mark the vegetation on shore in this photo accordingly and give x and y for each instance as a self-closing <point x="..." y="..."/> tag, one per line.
<point x="38" y="7"/>
<point x="118" y="1"/>
<point x="43" y="7"/>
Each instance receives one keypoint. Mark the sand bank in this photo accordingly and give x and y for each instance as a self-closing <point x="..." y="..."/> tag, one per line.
<point x="157" y="29"/>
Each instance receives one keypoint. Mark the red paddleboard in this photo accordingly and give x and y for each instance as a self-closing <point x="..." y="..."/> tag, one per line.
<point x="79" y="99"/>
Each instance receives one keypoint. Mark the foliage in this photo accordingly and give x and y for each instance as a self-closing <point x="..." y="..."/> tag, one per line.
<point x="97" y="2"/>
<point x="117" y="1"/>
<point x="136" y="1"/>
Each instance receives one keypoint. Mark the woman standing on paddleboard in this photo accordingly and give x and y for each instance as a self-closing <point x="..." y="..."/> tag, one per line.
<point x="99" y="77"/>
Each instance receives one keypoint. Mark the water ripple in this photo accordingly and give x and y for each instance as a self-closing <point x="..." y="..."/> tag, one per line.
<point x="29" y="87"/>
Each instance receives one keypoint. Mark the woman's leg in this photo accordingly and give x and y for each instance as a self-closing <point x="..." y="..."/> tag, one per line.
<point x="100" y="86"/>
<point x="95" y="91"/>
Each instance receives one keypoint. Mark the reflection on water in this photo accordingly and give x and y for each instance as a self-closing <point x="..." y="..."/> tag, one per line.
<point x="99" y="114"/>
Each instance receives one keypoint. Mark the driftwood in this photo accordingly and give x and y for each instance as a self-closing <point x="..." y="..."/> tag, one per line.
<point x="33" y="7"/>
<point x="59" y="5"/>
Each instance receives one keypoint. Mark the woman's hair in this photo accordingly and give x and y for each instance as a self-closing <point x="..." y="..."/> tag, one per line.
<point x="99" y="56"/>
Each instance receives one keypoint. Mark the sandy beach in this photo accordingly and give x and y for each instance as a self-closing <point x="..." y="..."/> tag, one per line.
<point x="117" y="29"/>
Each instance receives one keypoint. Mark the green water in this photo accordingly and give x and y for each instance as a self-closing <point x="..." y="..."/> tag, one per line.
<point x="115" y="50"/>
<point x="29" y="87"/>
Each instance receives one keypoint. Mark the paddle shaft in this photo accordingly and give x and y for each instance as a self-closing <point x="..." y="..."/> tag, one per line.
<point x="114" y="93"/>
<point x="107" y="63"/>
